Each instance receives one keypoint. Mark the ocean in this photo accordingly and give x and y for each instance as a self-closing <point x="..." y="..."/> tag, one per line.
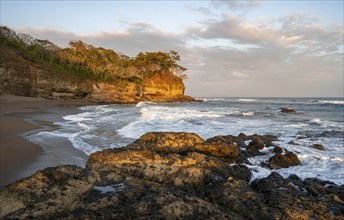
<point x="316" y="121"/>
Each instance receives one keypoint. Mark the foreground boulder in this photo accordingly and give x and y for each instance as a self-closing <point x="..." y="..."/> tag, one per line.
<point x="180" y="159"/>
<point x="167" y="175"/>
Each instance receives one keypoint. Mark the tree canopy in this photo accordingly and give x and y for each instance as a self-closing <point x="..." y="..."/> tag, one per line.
<point x="86" y="60"/>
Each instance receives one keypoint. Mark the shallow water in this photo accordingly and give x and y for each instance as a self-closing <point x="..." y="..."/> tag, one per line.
<point x="318" y="120"/>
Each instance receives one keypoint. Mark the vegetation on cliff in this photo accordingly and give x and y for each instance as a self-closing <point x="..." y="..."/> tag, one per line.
<point x="87" y="61"/>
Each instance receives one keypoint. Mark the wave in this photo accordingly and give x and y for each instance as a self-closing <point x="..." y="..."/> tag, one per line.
<point x="247" y="100"/>
<point x="331" y="102"/>
<point x="248" y="113"/>
<point x="315" y="164"/>
<point x="297" y="125"/>
<point x="79" y="117"/>
<point x="140" y="104"/>
<point x="172" y="114"/>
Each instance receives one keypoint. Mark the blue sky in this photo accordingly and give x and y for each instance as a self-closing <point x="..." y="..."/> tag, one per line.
<point x="231" y="48"/>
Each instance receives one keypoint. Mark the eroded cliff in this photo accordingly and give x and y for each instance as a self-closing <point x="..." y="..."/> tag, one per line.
<point x="20" y="75"/>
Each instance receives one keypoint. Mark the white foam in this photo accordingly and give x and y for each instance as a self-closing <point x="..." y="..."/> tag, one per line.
<point x="248" y="113"/>
<point x="327" y="164"/>
<point x="118" y="125"/>
<point x="247" y="100"/>
<point x="80" y="144"/>
<point x="297" y="125"/>
<point x="79" y="117"/>
<point x="140" y="104"/>
<point x="93" y="107"/>
<point x="331" y="102"/>
<point x="167" y="113"/>
<point x="316" y="120"/>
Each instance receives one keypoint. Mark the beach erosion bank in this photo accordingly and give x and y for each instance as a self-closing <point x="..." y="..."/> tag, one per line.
<point x="21" y="116"/>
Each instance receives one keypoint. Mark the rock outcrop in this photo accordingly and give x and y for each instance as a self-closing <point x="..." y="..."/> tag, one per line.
<point x="288" y="110"/>
<point x="166" y="175"/>
<point x="21" y="76"/>
<point x="283" y="160"/>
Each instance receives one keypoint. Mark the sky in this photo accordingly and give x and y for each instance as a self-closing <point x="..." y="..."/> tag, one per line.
<point x="242" y="48"/>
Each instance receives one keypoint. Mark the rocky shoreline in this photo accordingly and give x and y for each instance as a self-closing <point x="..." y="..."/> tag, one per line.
<point x="166" y="175"/>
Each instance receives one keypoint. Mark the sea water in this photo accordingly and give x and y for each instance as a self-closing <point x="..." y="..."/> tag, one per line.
<point x="316" y="121"/>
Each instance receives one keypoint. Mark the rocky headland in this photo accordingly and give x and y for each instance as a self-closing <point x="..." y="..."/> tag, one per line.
<point x="165" y="175"/>
<point x="39" y="68"/>
<point x="24" y="77"/>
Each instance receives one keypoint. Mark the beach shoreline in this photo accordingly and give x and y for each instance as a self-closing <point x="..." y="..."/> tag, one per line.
<point x="22" y="116"/>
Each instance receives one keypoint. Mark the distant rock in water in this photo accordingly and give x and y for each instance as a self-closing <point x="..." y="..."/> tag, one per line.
<point x="172" y="175"/>
<point x="318" y="146"/>
<point x="288" y="110"/>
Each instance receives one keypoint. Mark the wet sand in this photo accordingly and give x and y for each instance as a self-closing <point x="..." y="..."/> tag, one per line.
<point x="21" y="116"/>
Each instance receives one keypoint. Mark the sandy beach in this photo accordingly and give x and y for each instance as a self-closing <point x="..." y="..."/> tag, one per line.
<point x="21" y="116"/>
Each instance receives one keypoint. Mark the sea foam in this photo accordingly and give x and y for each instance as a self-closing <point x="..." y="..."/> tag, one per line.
<point x="331" y="102"/>
<point x="100" y="127"/>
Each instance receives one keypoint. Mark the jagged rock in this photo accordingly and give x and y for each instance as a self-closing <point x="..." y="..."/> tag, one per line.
<point x="163" y="158"/>
<point x="256" y="144"/>
<point x="288" y="110"/>
<point x="168" y="175"/>
<point x="238" y="199"/>
<point x="166" y="142"/>
<point x="219" y="146"/>
<point x="296" y="199"/>
<point x="286" y="160"/>
<point x="277" y="150"/>
<point x="240" y="172"/>
<point x="48" y="191"/>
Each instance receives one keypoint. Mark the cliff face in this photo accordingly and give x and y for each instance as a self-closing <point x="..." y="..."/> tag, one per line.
<point x="20" y="76"/>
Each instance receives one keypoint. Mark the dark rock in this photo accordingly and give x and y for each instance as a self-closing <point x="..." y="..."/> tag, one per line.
<point x="293" y="143"/>
<point x="240" y="172"/>
<point x="286" y="160"/>
<point x="257" y="143"/>
<point x="332" y="134"/>
<point x="254" y="146"/>
<point x="299" y="199"/>
<point x="288" y="110"/>
<point x="318" y="146"/>
<point x="172" y="176"/>
<point x="278" y="150"/>
<point x="48" y="191"/>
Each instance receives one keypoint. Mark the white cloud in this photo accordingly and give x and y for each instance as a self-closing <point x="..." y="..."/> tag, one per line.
<point x="238" y="74"/>
<point x="293" y="55"/>
<point x="237" y="4"/>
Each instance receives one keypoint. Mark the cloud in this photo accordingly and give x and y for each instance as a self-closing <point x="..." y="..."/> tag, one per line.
<point x="238" y="74"/>
<point x="237" y="4"/>
<point x="293" y="55"/>
<point x="136" y="38"/>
